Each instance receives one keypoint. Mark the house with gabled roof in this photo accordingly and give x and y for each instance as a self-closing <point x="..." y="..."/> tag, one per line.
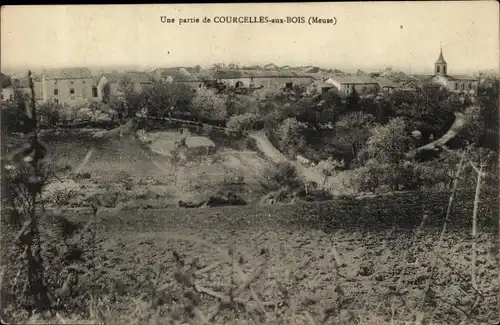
<point x="345" y="84"/>
<point x="252" y="79"/>
<point x="71" y="86"/>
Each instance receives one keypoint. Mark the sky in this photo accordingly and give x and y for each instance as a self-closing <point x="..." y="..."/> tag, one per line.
<point x="368" y="36"/>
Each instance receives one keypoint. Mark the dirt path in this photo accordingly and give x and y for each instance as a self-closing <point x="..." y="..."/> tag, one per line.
<point x="266" y="147"/>
<point x="455" y="128"/>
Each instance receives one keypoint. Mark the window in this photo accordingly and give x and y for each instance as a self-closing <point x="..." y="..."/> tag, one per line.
<point x="56" y="92"/>
<point x="444" y="69"/>
<point x="438" y="69"/>
<point x="83" y="82"/>
<point x="72" y="91"/>
<point x="463" y="86"/>
<point x="56" y="100"/>
<point x="456" y="85"/>
<point x="71" y="82"/>
<point x="1" y="96"/>
<point x="470" y="86"/>
<point x="94" y="91"/>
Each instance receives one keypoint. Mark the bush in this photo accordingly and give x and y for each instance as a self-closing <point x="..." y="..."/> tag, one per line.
<point x="244" y="123"/>
<point x="289" y="136"/>
<point x="80" y="175"/>
<point x="284" y="176"/>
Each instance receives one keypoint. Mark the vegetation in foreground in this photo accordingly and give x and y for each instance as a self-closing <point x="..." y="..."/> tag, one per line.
<point x="51" y="255"/>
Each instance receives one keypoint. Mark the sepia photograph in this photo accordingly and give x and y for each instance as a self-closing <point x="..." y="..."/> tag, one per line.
<point x="254" y="163"/>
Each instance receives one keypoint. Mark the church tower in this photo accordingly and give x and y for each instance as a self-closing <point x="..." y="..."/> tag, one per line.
<point x="440" y="66"/>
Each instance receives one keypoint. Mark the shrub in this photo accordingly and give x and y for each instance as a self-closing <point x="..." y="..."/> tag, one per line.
<point x="284" y="176"/>
<point x="289" y="135"/>
<point x="243" y="123"/>
<point x="80" y="175"/>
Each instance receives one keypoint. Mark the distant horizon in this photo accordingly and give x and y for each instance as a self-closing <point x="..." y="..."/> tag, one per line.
<point x="141" y="67"/>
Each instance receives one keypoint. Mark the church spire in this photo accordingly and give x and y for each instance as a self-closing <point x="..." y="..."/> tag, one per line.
<point x="440" y="65"/>
<point x="441" y="58"/>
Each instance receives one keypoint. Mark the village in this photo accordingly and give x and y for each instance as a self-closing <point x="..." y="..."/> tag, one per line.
<point x="79" y="86"/>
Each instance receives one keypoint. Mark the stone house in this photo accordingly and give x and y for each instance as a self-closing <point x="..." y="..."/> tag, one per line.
<point x="261" y="79"/>
<point x="70" y="86"/>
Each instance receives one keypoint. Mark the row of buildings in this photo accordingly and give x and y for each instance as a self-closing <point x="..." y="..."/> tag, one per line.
<point x="77" y="86"/>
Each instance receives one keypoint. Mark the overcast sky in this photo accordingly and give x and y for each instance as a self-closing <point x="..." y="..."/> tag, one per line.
<point x="405" y="35"/>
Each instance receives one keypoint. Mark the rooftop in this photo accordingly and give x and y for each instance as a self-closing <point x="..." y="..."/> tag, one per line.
<point x="342" y="79"/>
<point x="251" y="73"/>
<point x="462" y="77"/>
<point x="175" y="73"/>
<point x="68" y="73"/>
<point x="134" y="76"/>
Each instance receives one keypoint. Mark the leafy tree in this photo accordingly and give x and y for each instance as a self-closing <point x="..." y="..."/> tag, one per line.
<point x="353" y="100"/>
<point x="388" y="143"/>
<point x="290" y="135"/>
<point x="328" y="167"/>
<point x="488" y="94"/>
<point x="329" y="106"/>
<point x="240" y="104"/>
<point x="50" y="113"/>
<point x="106" y="93"/>
<point x="474" y="125"/>
<point x="165" y="99"/>
<point x="207" y="104"/>
<point x="351" y="133"/>
<point x="243" y="123"/>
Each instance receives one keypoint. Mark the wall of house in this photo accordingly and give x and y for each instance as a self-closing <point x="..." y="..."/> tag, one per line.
<point x="268" y="82"/>
<point x="82" y="90"/>
<point x="462" y="85"/>
<point x="347" y="88"/>
<point x="456" y="85"/>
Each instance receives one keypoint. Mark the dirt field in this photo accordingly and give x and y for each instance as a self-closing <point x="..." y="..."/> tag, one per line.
<point x="131" y="266"/>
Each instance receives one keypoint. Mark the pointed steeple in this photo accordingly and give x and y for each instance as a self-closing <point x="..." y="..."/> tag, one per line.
<point x="440" y="66"/>
<point x="441" y="58"/>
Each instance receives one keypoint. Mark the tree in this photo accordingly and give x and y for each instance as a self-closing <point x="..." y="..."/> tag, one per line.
<point x="353" y="100"/>
<point x="241" y="104"/>
<point x="49" y="113"/>
<point x="328" y="167"/>
<point x="474" y="125"/>
<point x="165" y="99"/>
<point x="290" y="135"/>
<point x="389" y="143"/>
<point x="488" y="94"/>
<point x="351" y="133"/>
<point x="207" y="104"/>
<point x="26" y="178"/>
<point x="106" y="93"/>
<point x="243" y="123"/>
